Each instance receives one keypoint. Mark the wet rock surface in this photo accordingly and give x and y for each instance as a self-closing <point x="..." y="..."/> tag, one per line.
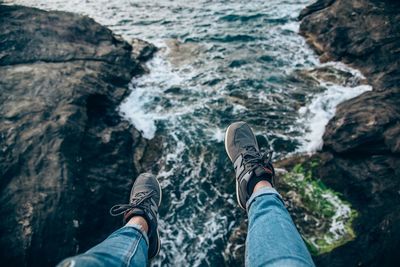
<point x="360" y="157"/>
<point x="362" y="33"/>
<point x="66" y="156"/>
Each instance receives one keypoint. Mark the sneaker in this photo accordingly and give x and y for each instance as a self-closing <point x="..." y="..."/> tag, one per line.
<point x="144" y="201"/>
<point x="250" y="166"/>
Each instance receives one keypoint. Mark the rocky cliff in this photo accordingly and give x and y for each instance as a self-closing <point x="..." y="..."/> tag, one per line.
<point x="361" y="153"/>
<point x="65" y="154"/>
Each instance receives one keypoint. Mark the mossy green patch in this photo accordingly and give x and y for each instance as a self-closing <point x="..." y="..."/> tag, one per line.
<point x="323" y="217"/>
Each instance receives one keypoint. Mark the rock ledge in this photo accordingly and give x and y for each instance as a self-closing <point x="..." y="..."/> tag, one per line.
<point x="66" y="156"/>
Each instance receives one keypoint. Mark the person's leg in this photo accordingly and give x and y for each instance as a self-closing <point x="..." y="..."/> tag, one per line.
<point x="127" y="246"/>
<point x="272" y="238"/>
<point x="138" y="240"/>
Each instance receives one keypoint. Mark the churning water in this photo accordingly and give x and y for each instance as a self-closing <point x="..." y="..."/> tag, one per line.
<point x="219" y="62"/>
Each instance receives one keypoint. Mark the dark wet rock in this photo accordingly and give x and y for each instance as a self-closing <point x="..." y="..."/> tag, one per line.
<point x="237" y="63"/>
<point x="173" y="90"/>
<point x="143" y="50"/>
<point x="235" y="251"/>
<point x="366" y="125"/>
<point x="314" y="7"/>
<point x="360" y="157"/>
<point x="371" y="184"/>
<point x="362" y="33"/>
<point x="65" y="154"/>
<point x="331" y="75"/>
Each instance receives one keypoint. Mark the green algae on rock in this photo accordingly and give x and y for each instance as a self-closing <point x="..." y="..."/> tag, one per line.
<point x="324" y="219"/>
<point x="322" y="216"/>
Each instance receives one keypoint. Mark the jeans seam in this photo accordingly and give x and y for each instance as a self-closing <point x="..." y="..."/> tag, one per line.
<point x="133" y="249"/>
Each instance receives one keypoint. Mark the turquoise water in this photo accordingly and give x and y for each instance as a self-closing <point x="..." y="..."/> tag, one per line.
<point x="219" y="62"/>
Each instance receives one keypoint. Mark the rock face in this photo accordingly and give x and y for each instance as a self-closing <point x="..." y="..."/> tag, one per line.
<point x="363" y="33"/>
<point x="65" y="154"/>
<point x="361" y="155"/>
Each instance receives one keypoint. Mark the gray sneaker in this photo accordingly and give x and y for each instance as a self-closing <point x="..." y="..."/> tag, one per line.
<point x="250" y="166"/>
<point x="144" y="201"/>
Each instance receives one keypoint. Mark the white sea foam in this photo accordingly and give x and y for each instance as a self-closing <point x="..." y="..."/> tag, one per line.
<point x="237" y="108"/>
<point x="132" y="109"/>
<point x="217" y="134"/>
<point x="343" y="67"/>
<point x="322" y="108"/>
<point x="292" y="26"/>
<point x="143" y="92"/>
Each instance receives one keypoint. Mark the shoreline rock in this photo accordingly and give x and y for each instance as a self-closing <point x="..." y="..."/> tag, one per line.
<point x="363" y="34"/>
<point x="66" y="154"/>
<point x="360" y="157"/>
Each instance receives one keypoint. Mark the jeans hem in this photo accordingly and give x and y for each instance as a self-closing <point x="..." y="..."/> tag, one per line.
<point x="139" y="228"/>
<point x="260" y="192"/>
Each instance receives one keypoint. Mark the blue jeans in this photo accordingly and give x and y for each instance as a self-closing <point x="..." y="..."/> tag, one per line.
<point x="272" y="240"/>
<point x="125" y="247"/>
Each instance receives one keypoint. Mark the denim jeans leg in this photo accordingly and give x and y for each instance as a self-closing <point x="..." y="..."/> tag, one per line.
<point x="127" y="246"/>
<point x="272" y="238"/>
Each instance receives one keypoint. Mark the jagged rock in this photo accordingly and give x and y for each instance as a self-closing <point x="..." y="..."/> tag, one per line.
<point x="366" y="124"/>
<point x="331" y="75"/>
<point x="371" y="184"/>
<point x="361" y="156"/>
<point x="314" y="7"/>
<point x="65" y="154"/>
<point x="143" y="50"/>
<point x="362" y="33"/>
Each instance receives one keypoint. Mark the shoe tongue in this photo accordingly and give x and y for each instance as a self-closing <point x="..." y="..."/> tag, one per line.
<point x="259" y="171"/>
<point x="260" y="174"/>
<point x="151" y="221"/>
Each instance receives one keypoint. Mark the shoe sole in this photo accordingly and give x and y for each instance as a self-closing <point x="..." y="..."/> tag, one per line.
<point x="158" y="233"/>
<point x="237" y="184"/>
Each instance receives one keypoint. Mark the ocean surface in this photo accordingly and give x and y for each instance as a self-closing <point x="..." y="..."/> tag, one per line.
<point x="219" y="62"/>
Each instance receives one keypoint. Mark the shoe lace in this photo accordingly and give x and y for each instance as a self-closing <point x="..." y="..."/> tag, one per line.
<point x="252" y="158"/>
<point x="138" y="201"/>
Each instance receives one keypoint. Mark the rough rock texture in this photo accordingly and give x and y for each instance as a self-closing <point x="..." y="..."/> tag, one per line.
<point x="363" y="33"/>
<point x="361" y="154"/>
<point x="65" y="154"/>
